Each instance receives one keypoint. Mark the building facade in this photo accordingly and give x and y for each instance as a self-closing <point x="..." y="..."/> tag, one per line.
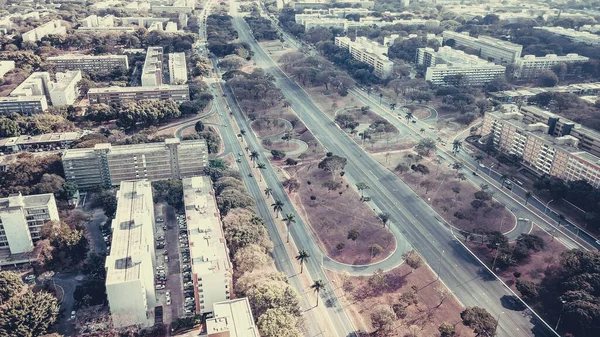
<point x="6" y="66"/>
<point x="131" y="262"/>
<point x="449" y="67"/>
<point x="152" y="73"/>
<point x="177" y="68"/>
<point x="530" y="66"/>
<point x="23" y="105"/>
<point x="89" y="63"/>
<point x="371" y="53"/>
<point x="211" y="268"/>
<point x="539" y="148"/>
<point x="54" y="27"/>
<point x="574" y="35"/>
<point x="22" y="218"/>
<point x="65" y="90"/>
<point x="120" y="95"/>
<point x="491" y="49"/>
<point x="107" y="165"/>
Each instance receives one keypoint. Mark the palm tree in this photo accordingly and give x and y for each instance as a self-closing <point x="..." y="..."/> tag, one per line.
<point x="317" y="287"/>
<point x="528" y="195"/>
<point x="384" y="217"/>
<point x="392" y="106"/>
<point x="302" y="257"/>
<point x="268" y="191"/>
<point x="289" y="219"/>
<point x="277" y="207"/>
<point x="247" y="149"/>
<point x="456" y="146"/>
<point x="409" y="116"/>
<point x="422" y="130"/>
<point x="243" y="132"/>
<point x="261" y="166"/>
<point x="380" y="98"/>
<point x="254" y="157"/>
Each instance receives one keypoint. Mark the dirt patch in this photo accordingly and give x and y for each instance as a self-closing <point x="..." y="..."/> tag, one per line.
<point x="435" y="304"/>
<point x="333" y="214"/>
<point x="266" y="127"/>
<point x="439" y="188"/>
<point x="419" y="112"/>
<point x="282" y="146"/>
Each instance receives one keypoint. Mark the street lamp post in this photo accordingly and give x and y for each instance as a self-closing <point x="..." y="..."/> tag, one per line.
<point x="497" y="323"/>
<point x="560" y="316"/>
<point x="547" y="204"/>
<point x="440" y="264"/>
<point x="495" y="256"/>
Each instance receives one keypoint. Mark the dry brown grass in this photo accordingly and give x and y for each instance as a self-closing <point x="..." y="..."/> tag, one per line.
<point x="332" y="215"/>
<point x="267" y="127"/>
<point x="441" y="180"/>
<point x="435" y="303"/>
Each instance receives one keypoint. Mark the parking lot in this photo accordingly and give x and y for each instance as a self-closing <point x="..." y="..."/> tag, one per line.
<point x="173" y="268"/>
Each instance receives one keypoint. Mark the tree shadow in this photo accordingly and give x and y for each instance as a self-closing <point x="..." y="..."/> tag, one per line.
<point x="511" y="302"/>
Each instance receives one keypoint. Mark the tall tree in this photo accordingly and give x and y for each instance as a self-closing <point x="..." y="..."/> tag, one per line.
<point x="268" y="192"/>
<point x="277" y="207"/>
<point x="10" y="285"/>
<point x="333" y="164"/>
<point x="28" y="315"/>
<point x="254" y="157"/>
<point x="361" y="186"/>
<point x="456" y="146"/>
<point x="289" y="219"/>
<point x="302" y="257"/>
<point x="481" y="321"/>
<point x="318" y="286"/>
<point x="384" y="217"/>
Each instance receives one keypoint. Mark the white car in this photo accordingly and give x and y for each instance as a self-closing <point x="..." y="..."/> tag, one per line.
<point x="166" y="258"/>
<point x="160" y="287"/>
<point x="73" y="314"/>
<point x="30" y="278"/>
<point x="168" y="301"/>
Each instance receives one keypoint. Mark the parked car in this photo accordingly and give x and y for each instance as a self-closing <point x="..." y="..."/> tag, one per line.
<point x="164" y="228"/>
<point x="30" y="278"/>
<point x="160" y="238"/>
<point x="165" y="253"/>
<point x="168" y="301"/>
<point x="160" y="287"/>
<point x="159" y="220"/>
<point x="73" y="314"/>
<point x="166" y="258"/>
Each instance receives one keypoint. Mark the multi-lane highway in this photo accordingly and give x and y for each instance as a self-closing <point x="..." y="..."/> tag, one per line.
<point x="463" y="274"/>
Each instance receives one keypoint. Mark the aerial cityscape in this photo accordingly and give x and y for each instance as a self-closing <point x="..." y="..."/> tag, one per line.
<point x="299" y="168"/>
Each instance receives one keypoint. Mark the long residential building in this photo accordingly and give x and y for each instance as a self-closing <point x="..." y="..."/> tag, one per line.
<point x="23" y="105"/>
<point x="530" y="66"/>
<point x="232" y="318"/>
<point x="22" y="218"/>
<point x="53" y="27"/>
<point x="43" y="141"/>
<point x="6" y="66"/>
<point x="369" y="52"/>
<point x="177" y="68"/>
<point x="211" y="268"/>
<point x="152" y="72"/>
<point x="120" y="95"/>
<point x="106" y="165"/>
<point x="89" y="63"/>
<point x="573" y="35"/>
<point x="515" y="133"/>
<point x="448" y="66"/>
<point x="489" y="48"/>
<point x="130" y="264"/>
<point x="65" y="91"/>
<point x="580" y="89"/>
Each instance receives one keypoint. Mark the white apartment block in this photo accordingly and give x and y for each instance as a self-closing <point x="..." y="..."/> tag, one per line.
<point x="22" y="218"/>
<point x="171" y="27"/>
<point x="89" y="63"/>
<point x="333" y="21"/>
<point x="447" y="66"/>
<point x="94" y="21"/>
<point x="491" y="49"/>
<point x="530" y="66"/>
<point x="540" y="150"/>
<point x="53" y="27"/>
<point x="6" y="66"/>
<point x="130" y="265"/>
<point x="65" y="91"/>
<point x="142" y="21"/>
<point x="177" y="68"/>
<point x="369" y="52"/>
<point x="232" y="318"/>
<point x="574" y="35"/>
<point x="211" y="268"/>
<point x="177" y="6"/>
<point x="152" y="74"/>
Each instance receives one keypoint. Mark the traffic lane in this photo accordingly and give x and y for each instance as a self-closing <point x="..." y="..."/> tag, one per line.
<point x="66" y="282"/>
<point x="174" y="284"/>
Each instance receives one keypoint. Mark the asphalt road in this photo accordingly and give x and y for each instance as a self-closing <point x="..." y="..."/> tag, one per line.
<point x="464" y="275"/>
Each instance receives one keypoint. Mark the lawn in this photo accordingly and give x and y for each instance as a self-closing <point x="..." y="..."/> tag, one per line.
<point x="439" y="189"/>
<point x="435" y="304"/>
<point x="333" y="214"/>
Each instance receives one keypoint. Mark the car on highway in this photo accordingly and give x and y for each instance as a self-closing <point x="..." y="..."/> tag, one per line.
<point x="73" y="314"/>
<point x="238" y="160"/>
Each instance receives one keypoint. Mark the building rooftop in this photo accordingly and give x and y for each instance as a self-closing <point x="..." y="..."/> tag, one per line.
<point x="208" y="251"/>
<point x="457" y="58"/>
<point x="129" y="224"/>
<point x="128" y="149"/>
<point x="233" y="316"/>
<point x="115" y="89"/>
<point x="555" y="57"/>
<point x="67" y="79"/>
<point x="83" y="57"/>
<point x="18" y="200"/>
<point x="572" y="33"/>
<point x="44" y="138"/>
<point x="22" y="98"/>
<point x="487" y="40"/>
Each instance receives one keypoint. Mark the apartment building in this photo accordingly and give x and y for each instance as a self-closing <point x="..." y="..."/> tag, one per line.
<point x="6" y="66"/>
<point x="369" y="52"/>
<point x="301" y="4"/>
<point x="448" y="66"/>
<point x="530" y="66"/>
<point x="120" y="95"/>
<point x="89" y="63"/>
<point x="540" y="150"/>
<point x="573" y="35"/>
<point x="94" y="21"/>
<point x="43" y="141"/>
<point x="589" y="140"/>
<point x="152" y="74"/>
<point x="107" y="165"/>
<point x="177" y="68"/>
<point x="177" y="6"/>
<point x="131" y="262"/>
<point x="23" y="105"/>
<point x="22" y="218"/>
<point x="65" y="91"/>
<point x="53" y="27"/>
<point x="491" y="49"/>
<point x="580" y="89"/>
<point x="232" y="318"/>
<point x="211" y="268"/>
<point x="326" y="20"/>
